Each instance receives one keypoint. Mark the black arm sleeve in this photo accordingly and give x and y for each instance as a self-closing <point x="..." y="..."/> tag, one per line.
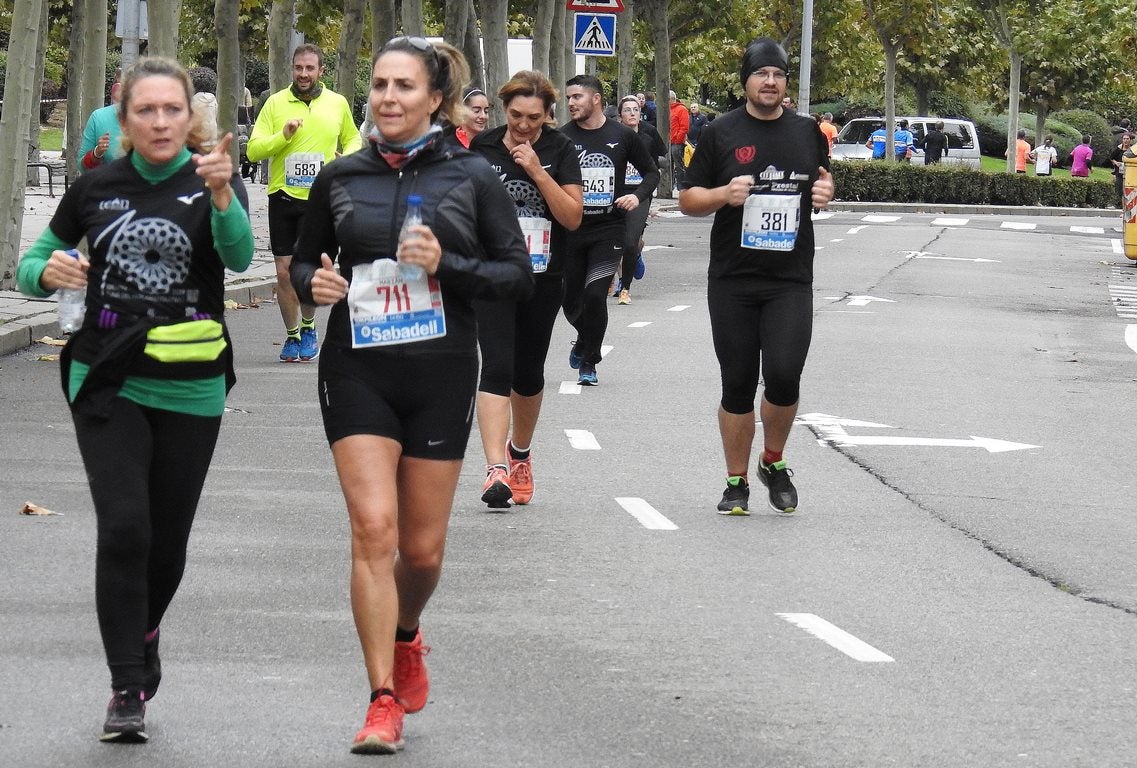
<point x="645" y="163"/>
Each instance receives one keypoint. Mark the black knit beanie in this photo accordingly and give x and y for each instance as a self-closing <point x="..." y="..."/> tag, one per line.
<point x="763" y="52"/>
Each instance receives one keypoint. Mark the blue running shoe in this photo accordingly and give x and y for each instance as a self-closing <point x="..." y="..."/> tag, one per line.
<point x="588" y="376"/>
<point x="640" y="268"/>
<point x="290" y="352"/>
<point x="309" y="344"/>
<point x="574" y="358"/>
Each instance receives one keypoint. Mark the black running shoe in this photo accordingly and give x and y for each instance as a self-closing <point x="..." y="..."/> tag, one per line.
<point x="776" y="477"/>
<point x="153" y="670"/>
<point x="126" y="715"/>
<point x="736" y="497"/>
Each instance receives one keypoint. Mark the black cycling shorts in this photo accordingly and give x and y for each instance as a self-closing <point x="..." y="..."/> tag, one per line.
<point x="767" y="324"/>
<point x="284" y="215"/>
<point x="423" y="401"/>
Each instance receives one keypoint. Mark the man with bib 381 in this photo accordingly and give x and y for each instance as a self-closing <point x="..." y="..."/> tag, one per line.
<point x="760" y="169"/>
<point x="299" y="128"/>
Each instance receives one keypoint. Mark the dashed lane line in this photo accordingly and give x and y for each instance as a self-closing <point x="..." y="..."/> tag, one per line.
<point x="855" y="230"/>
<point x="1088" y="230"/>
<point x="1018" y="225"/>
<point x="647" y="515"/>
<point x="582" y="440"/>
<point x="569" y="388"/>
<point x="847" y="644"/>
<point x="679" y="308"/>
<point x="640" y="324"/>
<point x="947" y="222"/>
<point x="1116" y="243"/>
<point x="876" y="218"/>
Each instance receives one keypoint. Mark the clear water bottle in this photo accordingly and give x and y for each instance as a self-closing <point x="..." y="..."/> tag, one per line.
<point x="72" y="303"/>
<point x="413" y="219"/>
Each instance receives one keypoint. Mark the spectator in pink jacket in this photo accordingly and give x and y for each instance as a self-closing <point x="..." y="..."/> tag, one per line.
<point x="1080" y="158"/>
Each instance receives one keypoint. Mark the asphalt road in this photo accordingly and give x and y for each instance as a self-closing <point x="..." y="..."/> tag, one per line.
<point x="965" y="545"/>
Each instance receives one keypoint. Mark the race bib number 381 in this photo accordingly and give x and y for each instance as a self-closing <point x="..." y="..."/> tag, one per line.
<point x="770" y="222"/>
<point x="387" y="308"/>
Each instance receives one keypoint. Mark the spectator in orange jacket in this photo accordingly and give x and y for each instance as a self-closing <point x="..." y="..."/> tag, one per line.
<point x="680" y="122"/>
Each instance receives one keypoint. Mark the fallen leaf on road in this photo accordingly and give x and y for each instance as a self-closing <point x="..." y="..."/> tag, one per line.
<point x="36" y="509"/>
<point x="48" y="358"/>
<point x="53" y="342"/>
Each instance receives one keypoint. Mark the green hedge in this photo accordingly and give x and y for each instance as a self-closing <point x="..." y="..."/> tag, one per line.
<point x="906" y="183"/>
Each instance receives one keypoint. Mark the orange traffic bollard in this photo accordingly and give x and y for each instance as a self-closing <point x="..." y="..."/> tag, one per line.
<point x="1129" y="205"/>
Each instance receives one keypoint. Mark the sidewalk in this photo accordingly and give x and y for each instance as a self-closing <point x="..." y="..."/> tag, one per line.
<point x="23" y="320"/>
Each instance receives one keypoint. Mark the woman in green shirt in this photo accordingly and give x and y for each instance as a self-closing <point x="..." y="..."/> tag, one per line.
<point x="147" y="373"/>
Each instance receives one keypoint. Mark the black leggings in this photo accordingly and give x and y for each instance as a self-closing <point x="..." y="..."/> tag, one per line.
<point x="146" y="468"/>
<point x="770" y="324"/>
<point x="593" y="256"/>
<point x="637" y="221"/>
<point x="514" y="338"/>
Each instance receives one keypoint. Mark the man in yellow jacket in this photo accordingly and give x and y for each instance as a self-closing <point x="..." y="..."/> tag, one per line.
<point x="299" y="129"/>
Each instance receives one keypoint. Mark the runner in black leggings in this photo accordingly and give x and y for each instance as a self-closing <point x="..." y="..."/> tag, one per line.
<point x="637" y="218"/>
<point x="146" y="374"/>
<point x="760" y="169"/>
<point x="538" y="167"/>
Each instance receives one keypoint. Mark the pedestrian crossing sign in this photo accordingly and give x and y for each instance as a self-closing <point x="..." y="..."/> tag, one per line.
<point x="595" y="34"/>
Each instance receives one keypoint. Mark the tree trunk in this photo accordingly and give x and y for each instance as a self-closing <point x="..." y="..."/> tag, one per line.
<point x="472" y="49"/>
<point x="383" y="26"/>
<point x="495" y="41"/>
<point x="347" y="50"/>
<point x="542" y="33"/>
<point x="412" y="18"/>
<point x="656" y="10"/>
<point x="625" y="52"/>
<point x="162" y="20"/>
<point x="95" y="57"/>
<point x="454" y="22"/>
<point x="37" y="91"/>
<point x="889" y="98"/>
<point x="1013" y="108"/>
<point x="559" y="69"/>
<point x="76" y="117"/>
<point x="229" y="86"/>
<point x="279" y="39"/>
<point x="19" y="103"/>
<point x="923" y="97"/>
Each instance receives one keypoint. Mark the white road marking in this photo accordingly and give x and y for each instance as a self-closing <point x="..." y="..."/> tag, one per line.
<point x="604" y="350"/>
<point x="820" y="215"/>
<point x="1017" y="225"/>
<point x="679" y="307"/>
<point x="1131" y="336"/>
<point x="855" y="230"/>
<point x="953" y="258"/>
<point x="847" y="644"/>
<point x="670" y="214"/>
<point x="863" y="301"/>
<point x="1116" y="243"/>
<point x="569" y="388"/>
<point x="950" y="222"/>
<point x="641" y="324"/>
<point x="647" y="248"/>
<point x="879" y="219"/>
<point x="582" y="440"/>
<point x="647" y="515"/>
<point x="837" y="240"/>
<point x="1089" y="230"/>
<point x="831" y="430"/>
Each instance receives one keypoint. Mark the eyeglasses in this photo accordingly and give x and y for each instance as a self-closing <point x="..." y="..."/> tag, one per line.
<point x="418" y="43"/>
<point x="769" y="74"/>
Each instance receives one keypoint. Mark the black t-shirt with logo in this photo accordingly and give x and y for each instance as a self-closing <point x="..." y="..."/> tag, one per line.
<point x="557" y="156"/>
<point x="604" y="154"/>
<point x="783" y="156"/>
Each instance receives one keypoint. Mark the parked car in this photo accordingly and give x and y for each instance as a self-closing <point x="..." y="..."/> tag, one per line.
<point x="963" y="139"/>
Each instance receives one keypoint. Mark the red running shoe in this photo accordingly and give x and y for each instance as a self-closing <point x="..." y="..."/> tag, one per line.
<point x="412" y="683"/>
<point x="521" y="479"/>
<point x="382" y="732"/>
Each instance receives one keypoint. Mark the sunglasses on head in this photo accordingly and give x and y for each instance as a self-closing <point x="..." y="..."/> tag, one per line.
<point x="418" y="43"/>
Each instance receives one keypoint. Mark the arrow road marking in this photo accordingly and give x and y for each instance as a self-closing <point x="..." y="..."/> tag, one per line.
<point x="582" y="440"/>
<point x="831" y="430"/>
<point x="847" y="644"/>
<point x="646" y="514"/>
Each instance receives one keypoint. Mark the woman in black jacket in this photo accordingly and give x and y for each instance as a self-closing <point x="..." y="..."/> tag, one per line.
<point x="399" y="366"/>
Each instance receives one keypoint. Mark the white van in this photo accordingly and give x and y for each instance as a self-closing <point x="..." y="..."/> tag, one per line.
<point x="963" y="139"/>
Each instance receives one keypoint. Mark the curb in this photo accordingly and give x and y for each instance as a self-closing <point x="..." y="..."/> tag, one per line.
<point x="24" y="331"/>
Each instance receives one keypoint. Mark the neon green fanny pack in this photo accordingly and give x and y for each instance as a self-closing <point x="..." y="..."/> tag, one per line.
<point x="194" y="341"/>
